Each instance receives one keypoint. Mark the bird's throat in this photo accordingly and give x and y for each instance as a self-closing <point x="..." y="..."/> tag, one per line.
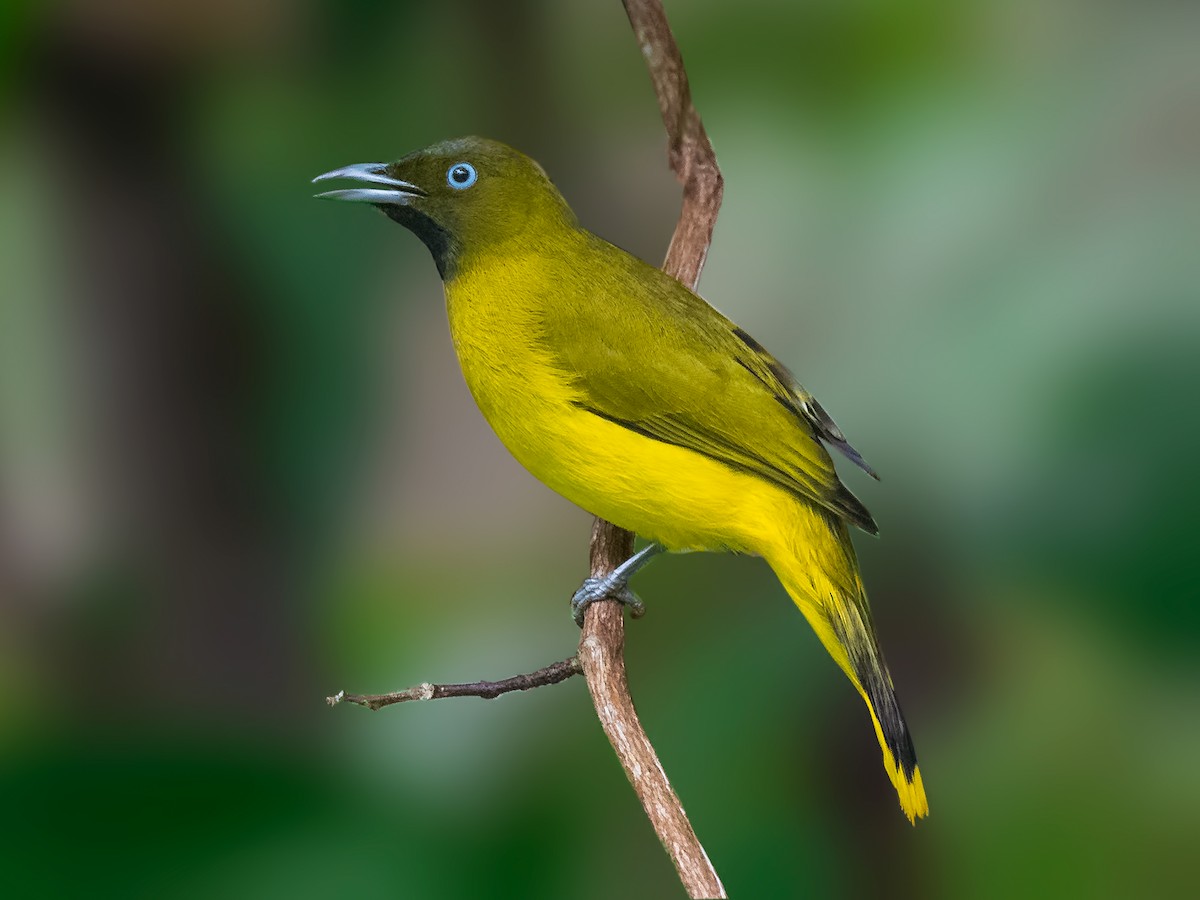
<point x="439" y="241"/>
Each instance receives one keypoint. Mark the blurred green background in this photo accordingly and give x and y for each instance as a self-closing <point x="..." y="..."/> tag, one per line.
<point x="239" y="469"/>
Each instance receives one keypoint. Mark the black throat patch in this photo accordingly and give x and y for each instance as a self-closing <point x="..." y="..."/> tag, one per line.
<point x="443" y="247"/>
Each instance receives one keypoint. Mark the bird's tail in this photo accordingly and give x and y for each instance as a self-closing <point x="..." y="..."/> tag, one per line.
<point x="818" y="568"/>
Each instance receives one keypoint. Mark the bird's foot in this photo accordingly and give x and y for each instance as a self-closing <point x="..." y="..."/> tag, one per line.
<point x="614" y="586"/>
<point x="605" y="588"/>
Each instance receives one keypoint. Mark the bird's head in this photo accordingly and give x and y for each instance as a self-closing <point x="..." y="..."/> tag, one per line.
<point x="463" y="198"/>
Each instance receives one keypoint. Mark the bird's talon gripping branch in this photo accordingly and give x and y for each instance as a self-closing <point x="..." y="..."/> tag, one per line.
<point x="606" y="588"/>
<point x="614" y="586"/>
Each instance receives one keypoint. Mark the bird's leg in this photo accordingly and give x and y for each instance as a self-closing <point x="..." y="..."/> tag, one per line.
<point x="614" y="585"/>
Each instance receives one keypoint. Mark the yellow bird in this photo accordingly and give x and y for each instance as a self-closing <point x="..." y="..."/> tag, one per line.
<point x="629" y="395"/>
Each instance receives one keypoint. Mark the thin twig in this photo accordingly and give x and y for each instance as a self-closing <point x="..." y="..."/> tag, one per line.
<point x="602" y="644"/>
<point x="487" y="690"/>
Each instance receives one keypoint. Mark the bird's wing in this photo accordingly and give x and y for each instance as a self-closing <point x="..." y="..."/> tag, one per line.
<point x="646" y="353"/>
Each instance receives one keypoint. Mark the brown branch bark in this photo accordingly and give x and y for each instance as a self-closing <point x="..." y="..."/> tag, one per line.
<point x="602" y="644"/>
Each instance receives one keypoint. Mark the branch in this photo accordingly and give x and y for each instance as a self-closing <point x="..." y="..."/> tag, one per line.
<point x="487" y="690"/>
<point x="602" y="644"/>
<point x="689" y="151"/>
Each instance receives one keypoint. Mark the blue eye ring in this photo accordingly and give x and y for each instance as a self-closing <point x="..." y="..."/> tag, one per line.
<point x="461" y="176"/>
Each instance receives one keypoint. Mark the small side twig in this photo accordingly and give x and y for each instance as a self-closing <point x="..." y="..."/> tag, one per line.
<point x="487" y="690"/>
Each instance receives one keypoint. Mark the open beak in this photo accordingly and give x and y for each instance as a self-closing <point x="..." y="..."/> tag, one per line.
<point x="396" y="192"/>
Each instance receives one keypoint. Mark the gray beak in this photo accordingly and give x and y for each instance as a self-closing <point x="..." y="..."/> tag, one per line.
<point x="397" y="192"/>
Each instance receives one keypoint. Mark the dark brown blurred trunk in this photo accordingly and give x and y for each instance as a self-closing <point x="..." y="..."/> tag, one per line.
<point x="170" y="360"/>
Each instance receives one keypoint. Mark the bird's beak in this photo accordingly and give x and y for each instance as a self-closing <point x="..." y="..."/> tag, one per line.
<point x="396" y="192"/>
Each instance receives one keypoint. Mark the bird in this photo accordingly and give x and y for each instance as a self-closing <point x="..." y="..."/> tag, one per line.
<point x="628" y="394"/>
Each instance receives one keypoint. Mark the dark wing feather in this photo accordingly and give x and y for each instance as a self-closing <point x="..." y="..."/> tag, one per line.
<point x="775" y="376"/>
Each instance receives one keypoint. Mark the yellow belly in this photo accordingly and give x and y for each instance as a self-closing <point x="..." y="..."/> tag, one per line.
<point x="665" y="493"/>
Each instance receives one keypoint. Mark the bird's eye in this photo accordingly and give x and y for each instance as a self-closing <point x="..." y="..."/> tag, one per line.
<point x="461" y="176"/>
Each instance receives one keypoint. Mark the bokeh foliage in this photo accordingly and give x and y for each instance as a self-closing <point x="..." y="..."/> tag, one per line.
<point x="239" y="469"/>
